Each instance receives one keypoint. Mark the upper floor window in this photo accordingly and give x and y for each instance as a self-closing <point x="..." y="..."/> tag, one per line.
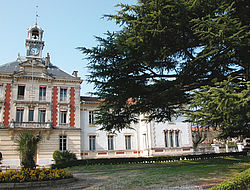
<point x="42" y="93"/>
<point x="41" y="115"/>
<point x="20" y="92"/>
<point x="63" y="116"/>
<point x="110" y="142"/>
<point x="128" y="142"/>
<point x="92" y="142"/>
<point x="63" y="94"/>
<point x="31" y="115"/>
<point x="19" y="114"/>
<point x="63" y="143"/>
<point x="91" y="117"/>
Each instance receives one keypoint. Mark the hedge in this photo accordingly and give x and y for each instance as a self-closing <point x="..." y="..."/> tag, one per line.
<point x="240" y="182"/>
<point x="30" y="175"/>
<point x="106" y="161"/>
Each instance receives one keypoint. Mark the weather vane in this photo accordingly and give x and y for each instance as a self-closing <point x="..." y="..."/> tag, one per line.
<point x="36" y="14"/>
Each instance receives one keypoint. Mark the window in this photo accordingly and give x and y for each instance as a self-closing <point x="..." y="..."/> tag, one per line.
<point x="92" y="141"/>
<point x="63" y="94"/>
<point x="110" y="142"/>
<point x="177" y="139"/>
<point x="20" y="92"/>
<point x="42" y="93"/>
<point x="128" y="142"/>
<point x="41" y="116"/>
<point x="171" y="139"/>
<point x="166" y="138"/>
<point x="63" y="143"/>
<point x="31" y="115"/>
<point x="19" y="114"/>
<point x="91" y="118"/>
<point x="63" y="117"/>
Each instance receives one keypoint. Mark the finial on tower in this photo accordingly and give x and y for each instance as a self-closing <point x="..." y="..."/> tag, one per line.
<point x="37" y="14"/>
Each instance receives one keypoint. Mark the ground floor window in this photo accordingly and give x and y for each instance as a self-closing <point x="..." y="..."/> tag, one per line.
<point x="177" y="139"/>
<point x="128" y="142"/>
<point x="166" y="138"/>
<point x="172" y="138"/>
<point x="92" y="143"/>
<point x="63" y="143"/>
<point x="110" y="142"/>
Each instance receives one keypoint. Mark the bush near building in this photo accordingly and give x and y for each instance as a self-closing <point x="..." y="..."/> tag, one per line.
<point x="64" y="157"/>
<point x="29" y="175"/>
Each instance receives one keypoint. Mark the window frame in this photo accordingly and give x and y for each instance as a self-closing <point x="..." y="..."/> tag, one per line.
<point x="19" y="115"/>
<point x="92" y="142"/>
<point x="110" y="142"/>
<point x="177" y="138"/>
<point x="63" y="116"/>
<point x="171" y="139"/>
<point x="63" y="143"/>
<point x="42" y="93"/>
<point x="91" y="117"/>
<point x="63" y="94"/>
<point x="20" y="92"/>
<point x="128" y="142"/>
<point x="31" y="110"/>
<point x="166" y="139"/>
<point x="42" y="112"/>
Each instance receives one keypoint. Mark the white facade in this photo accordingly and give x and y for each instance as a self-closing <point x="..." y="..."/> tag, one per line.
<point x="145" y="139"/>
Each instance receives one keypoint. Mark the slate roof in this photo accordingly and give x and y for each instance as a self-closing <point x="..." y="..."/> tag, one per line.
<point x="52" y="69"/>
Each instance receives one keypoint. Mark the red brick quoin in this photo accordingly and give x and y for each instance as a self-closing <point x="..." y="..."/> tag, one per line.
<point x="54" y="106"/>
<point x="72" y="107"/>
<point x="6" y="116"/>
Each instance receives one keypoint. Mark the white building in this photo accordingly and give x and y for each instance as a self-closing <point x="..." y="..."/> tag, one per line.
<point x="145" y="139"/>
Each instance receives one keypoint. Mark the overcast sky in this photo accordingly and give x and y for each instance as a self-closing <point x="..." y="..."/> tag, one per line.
<point x="67" y="24"/>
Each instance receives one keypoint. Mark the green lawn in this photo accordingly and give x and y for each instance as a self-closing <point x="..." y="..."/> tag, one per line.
<point x="146" y="176"/>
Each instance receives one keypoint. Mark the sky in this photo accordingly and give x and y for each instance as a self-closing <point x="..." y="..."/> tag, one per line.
<point x="67" y="24"/>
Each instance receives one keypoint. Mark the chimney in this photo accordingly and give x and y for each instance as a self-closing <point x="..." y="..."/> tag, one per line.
<point x="75" y="73"/>
<point x="47" y="60"/>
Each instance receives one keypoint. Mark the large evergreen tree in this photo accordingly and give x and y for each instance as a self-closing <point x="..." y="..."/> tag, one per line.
<point x="225" y="107"/>
<point x="165" y="49"/>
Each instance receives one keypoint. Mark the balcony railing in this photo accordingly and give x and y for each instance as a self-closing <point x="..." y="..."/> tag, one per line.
<point x="35" y="125"/>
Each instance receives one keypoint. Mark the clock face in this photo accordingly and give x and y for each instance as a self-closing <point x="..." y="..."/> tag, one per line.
<point x="34" y="51"/>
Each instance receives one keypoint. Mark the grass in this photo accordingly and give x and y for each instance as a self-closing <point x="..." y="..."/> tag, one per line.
<point x="157" y="175"/>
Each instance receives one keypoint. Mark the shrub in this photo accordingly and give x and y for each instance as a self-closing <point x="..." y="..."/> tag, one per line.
<point x="64" y="157"/>
<point x="29" y="175"/>
<point x="240" y="182"/>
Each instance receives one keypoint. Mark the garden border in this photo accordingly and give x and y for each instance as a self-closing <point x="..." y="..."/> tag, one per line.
<point x="36" y="184"/>
<point x="105" y="161"/>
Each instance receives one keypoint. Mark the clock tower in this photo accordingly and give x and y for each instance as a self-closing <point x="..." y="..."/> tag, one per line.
<point x="34" y="44"/>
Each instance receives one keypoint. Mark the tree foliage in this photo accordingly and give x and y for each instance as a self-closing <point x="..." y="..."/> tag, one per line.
<point x="27" y="143"/>
<point x="225" y="107"/>
<point x="165" y="49"/>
